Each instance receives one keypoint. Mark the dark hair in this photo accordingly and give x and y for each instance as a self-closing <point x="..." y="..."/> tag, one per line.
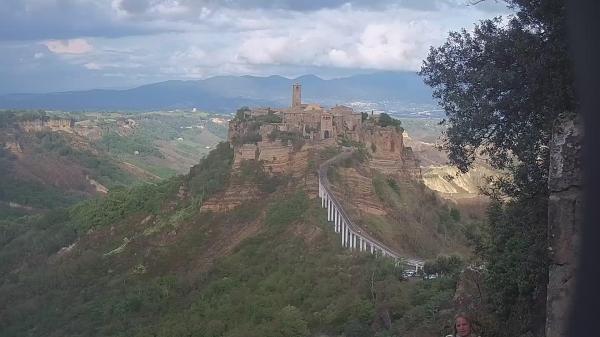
<point x="465" y="317"/>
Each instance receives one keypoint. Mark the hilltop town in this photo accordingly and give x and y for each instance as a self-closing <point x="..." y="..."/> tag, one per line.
<point x="277" y="137"/>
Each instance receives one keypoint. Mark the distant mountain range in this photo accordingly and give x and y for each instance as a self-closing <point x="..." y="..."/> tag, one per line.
<point x="227" y="93"/>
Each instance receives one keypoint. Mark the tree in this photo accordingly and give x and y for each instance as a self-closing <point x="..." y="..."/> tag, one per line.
<point x="502" y="86"/>
<point x="386" y="120"/>
<point x="289" y="323"/>
<point x="240" y="114"/>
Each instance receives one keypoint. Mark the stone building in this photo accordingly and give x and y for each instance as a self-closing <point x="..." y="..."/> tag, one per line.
<point x="313" y="121"/>
<point x="316" y="126"/>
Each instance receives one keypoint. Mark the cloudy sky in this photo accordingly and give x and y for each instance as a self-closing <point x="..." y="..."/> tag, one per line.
<point x="57" y="45"/>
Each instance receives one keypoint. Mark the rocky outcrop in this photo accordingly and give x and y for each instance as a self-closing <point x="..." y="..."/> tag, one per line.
<point x="61" y="124"/>
<point x="235" y="195"/>
<point x="448" y="180"/>
<point x="384" y="142"/>
<point x="389" y="155"/>
<point x="565" y="217"/>
<point x="280" y="145"/>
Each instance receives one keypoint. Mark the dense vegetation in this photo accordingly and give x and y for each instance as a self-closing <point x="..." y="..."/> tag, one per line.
<point x="212" y="173"/>
<point x="140" y="143"/>
<point x="385" y="120"/>
<point x="102" y="167"/>
<point x="27" y="187"/>
<point x="136" y="265"/>
<point x="160" y="143"/>
<point x="416" y="207"/>
<point x="23" y="192"/>
<point x="502" y="87"/>
<point x="42" y="195"/>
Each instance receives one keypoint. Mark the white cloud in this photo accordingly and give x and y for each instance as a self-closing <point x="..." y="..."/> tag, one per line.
<point x="73" y="46"/>
<point x="344" y="38"/>
<point x="185" y="39"/>
<point x="92" y="66"/>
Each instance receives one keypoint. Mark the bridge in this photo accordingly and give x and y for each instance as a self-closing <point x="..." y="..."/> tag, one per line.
<point x="352" y="236"/>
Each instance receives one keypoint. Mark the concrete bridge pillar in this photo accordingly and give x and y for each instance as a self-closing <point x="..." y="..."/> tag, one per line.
<point x="335" y="223"/>
<point x="335" y="215"/>
<point x="322" y="198"/>
<point x="350" y="239"/>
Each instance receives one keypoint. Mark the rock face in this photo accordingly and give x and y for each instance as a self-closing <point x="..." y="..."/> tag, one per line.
<point x="361" y="189"/>
<point x="11" y="143"/>
<point x="565" y="217"/>
<point x="275" y="156"/>
<point x="62" y="124"/>
<point x="389" y="155"/>
<point x="235" y="195"/>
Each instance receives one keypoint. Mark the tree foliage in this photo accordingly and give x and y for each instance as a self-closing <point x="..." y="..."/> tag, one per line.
<point x="212" y="173"/>
<point x="444" y="265"/>
<point x="386" y="120"/>
<point x="502" y="86"/>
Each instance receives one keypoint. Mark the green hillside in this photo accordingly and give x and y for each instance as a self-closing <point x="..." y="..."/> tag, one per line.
<point x="146" y="262"/>
<point x="47" y="169"/>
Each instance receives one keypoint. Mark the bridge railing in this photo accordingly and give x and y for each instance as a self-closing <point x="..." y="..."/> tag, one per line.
<point x="354" y="228"/>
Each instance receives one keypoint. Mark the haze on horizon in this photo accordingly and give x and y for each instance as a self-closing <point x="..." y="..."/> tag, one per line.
<point x="59" y="45"/>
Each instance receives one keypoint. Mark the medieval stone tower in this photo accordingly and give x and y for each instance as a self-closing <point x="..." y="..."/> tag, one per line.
<point x="296" y="95"/>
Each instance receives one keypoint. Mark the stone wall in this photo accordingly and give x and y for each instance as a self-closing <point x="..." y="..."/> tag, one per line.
<point x="275" y="156"/>
<point x="565" y="218"/>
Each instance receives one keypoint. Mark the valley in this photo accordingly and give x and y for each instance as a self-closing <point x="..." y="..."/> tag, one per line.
<point x="186" y="234"/>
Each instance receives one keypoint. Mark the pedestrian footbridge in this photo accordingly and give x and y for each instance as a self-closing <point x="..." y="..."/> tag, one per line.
<point x="351" y="234"/>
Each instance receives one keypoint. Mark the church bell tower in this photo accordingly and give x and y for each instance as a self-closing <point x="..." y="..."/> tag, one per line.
<point x="296" y="95"/>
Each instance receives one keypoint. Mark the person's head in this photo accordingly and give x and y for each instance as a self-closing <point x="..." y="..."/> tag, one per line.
<point x="462" y="325"/>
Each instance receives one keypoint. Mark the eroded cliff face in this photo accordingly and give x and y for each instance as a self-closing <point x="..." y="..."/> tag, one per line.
<point x="385" y="144"/>
<point x="233" y="196"/>
<point x="565" y="218"/>
<point x="359" y="189"/>
<point x="277" y="159"/>
<point x="297" y="159"/>
<point x="389" y="154"/>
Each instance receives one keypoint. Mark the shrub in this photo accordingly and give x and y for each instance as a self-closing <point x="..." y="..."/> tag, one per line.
<point x="284" y="212"/>
<point x="212" y="173"/>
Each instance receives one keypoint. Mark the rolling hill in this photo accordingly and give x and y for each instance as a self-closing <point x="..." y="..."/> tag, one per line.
<point x="227" y="93"/>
